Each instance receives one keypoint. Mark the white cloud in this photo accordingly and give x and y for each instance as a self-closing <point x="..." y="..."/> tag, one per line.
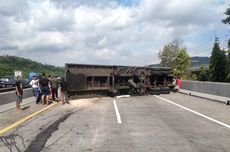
<point x="104" y="32"/>
<point x="16" y="8"/>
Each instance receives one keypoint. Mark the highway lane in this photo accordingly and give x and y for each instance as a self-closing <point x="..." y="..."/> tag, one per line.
<point x="147" y="124"/>
<point x="214" y="109"/>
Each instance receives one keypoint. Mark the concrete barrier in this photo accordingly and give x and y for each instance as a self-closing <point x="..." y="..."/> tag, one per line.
<point x="213" y="88"/>
<point x="7" y="97"/>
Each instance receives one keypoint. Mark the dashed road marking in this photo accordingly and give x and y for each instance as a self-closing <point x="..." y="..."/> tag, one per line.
<point x="197" y="113"/>
<point x="117" y="112"/>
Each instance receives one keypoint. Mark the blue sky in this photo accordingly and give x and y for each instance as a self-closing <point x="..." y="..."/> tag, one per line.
<point x="124" y="32"/>
<point x="128" y="2"/>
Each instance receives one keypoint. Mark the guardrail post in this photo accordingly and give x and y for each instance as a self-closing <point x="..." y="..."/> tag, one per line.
<point x="228" y="102"/>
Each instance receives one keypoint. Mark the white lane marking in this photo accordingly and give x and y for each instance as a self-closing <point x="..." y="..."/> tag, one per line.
<point x="117" y="112"/>
<point x="204" y="116"/>
<point x="123" y="96"/>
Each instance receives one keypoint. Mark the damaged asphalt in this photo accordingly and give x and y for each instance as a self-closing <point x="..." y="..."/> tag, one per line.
<point x="39" y="143"/>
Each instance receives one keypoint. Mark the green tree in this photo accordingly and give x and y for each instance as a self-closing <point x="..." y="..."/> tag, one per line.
<point x="181" y="64"/>
<point x="228" y="65"/>
<point x="203" y="75"/>
<point x="5" y="70"/>
<point x="218" y="64"/>
<point x="194" y="77"/>
<point x="8" y="64"/>
<point x="227" y="19"/>
<point x="168" y="54"/>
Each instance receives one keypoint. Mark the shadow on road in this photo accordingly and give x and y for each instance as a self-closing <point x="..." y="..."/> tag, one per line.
<point x="12" y="142"/>
<point x="24" y="108"/>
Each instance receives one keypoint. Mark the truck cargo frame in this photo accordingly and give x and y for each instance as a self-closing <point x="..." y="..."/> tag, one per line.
<point x="110" y="80"/>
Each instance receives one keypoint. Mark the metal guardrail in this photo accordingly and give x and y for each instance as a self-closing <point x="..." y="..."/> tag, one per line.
<point x="213" y="88"/>
<point x="10" y="96"/>
<point x="11" y="89"/>
<point x="7" y="89"/>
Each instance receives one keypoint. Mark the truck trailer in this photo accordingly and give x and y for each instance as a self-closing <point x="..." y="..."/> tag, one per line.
<point x="110" y="80"/>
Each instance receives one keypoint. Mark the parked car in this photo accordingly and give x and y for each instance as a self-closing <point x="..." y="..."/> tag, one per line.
<point x="3" y="81"/>
<point x="10" y="83"/>
<point x="2" y="84"/>
<point x="7" y="82"/>
<point x="25" y="83"/>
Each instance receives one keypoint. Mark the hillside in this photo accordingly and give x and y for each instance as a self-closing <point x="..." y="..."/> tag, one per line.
<point x="8" y="64"/>
<point x="196" y="62"/>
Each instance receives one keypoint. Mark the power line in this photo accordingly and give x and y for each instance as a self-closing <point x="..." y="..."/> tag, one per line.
<point x="202" y="45"/>
<point x="222" y="38"/>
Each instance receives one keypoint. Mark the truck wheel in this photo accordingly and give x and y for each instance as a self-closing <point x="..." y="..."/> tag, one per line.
<point x="155" y="91"/>
<point x="165" y="90"/>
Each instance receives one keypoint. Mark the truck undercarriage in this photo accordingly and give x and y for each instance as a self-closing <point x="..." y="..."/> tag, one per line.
<point x="107" y="80"/>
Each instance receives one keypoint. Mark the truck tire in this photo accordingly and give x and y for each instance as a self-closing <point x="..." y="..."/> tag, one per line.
<point x="155" y="91"/>
<point x="165" y="90"/>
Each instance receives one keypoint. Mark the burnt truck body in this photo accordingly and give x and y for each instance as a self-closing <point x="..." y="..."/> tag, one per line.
<point x="108" y="80"/>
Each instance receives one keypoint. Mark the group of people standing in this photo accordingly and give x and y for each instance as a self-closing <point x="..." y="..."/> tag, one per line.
<point x="45" y="89"/>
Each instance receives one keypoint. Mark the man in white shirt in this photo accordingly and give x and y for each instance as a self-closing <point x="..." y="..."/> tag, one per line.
<point x="35" y="85"/>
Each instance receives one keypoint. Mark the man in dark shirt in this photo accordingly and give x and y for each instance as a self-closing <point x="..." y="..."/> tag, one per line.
<point x="54" y="85"/>
<point x="44" y="84"/>
<point x="19" y="93"/>
<point x="64" y="94"/>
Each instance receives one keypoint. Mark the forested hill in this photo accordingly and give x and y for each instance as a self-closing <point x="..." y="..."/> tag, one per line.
<point x="195" y="61"/>
<point x="8" y="64"/>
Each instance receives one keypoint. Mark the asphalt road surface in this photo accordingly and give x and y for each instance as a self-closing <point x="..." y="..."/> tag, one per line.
<point x="165" y="123"/>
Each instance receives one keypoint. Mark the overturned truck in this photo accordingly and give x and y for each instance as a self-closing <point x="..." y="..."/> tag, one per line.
<point x="108" y="80"/>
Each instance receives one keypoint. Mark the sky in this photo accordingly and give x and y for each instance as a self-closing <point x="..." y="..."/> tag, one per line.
<point x="114" y="32"/>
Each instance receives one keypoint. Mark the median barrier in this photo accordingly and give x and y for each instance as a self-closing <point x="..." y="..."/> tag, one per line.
<point x="214" y="88"/>
<point x="211" y="88"/>
<point x="8" y="97"/>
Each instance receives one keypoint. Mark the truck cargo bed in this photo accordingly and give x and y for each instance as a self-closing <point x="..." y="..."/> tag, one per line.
<point x="111" y="80"/>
